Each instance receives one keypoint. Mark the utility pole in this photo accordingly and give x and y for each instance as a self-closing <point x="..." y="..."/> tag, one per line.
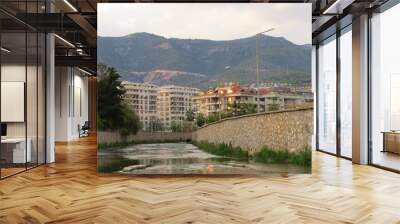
<point x="258" y="75"/>
<point x="258" y="69"/>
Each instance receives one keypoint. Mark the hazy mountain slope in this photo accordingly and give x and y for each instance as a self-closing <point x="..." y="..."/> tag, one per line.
<point x="139" y="56"/>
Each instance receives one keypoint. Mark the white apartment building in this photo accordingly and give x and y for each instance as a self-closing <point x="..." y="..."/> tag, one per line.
<point x="142" y="98"/>
<point x="223" y="99"/>
<point x="173" y="103"/>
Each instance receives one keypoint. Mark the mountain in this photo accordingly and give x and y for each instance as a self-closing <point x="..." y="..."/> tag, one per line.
<point x="145" y="57"/>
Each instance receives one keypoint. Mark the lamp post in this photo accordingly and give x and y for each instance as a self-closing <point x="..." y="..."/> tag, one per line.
<point x="257" y="66"/>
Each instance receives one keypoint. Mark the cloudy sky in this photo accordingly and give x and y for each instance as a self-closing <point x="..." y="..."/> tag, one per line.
<point x="224" y="21"/>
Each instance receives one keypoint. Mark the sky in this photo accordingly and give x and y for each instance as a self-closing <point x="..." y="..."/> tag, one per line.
<point x="214" y="21"/>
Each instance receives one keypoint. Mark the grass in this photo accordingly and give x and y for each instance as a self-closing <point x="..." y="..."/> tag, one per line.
<point x="301" y="158"/>
<point x="265" y="155"/>
<point x="224" y="150"/>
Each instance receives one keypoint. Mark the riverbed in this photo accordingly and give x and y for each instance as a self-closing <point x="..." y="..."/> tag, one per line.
<point x="182" y="158"/>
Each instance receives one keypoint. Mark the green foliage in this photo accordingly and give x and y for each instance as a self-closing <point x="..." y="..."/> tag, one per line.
<point x="156" y="125"/>
<point x="200" y="119"/>
<point x="301" y="158"/>
<point x="124" y="132"/>
<point x="224" y="150"/>
<point x="188" y="126"/>
<point x="190" y="115"/>
<point x="182" y="126"/>
<point x="113" y="114"/>
<point x="266" y="155"/>
<point x="273" y="107"/>
<point x="227" y="114"/>
<point x="239" y="109"/>
<point x="213" y="118"/>
<point x="176" y="126"/>
<point x="130" y="119"/>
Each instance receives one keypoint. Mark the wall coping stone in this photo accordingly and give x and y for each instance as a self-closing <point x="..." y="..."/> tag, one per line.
<point x="257" y="114"/>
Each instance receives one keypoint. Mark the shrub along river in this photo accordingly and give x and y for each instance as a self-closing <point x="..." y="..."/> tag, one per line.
<point x="182" y="158"/>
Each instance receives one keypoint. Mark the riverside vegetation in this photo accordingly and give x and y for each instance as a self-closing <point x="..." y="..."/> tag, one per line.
<point x="265" y="155"/>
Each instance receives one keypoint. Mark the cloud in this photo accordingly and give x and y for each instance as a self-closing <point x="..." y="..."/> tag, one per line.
<point x="215" y="21"/>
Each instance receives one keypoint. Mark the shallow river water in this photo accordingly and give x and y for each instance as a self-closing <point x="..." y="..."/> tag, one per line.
<point x="182" y="158"/>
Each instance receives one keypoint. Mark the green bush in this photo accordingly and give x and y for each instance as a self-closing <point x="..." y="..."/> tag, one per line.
<point x="189" y="115"/>
<point x="200" y="120"/>
<point x="273" y="107"/>
<point x="224" y="150"/>
<point x="266" y="155"/>
<point x="124" y="132"/>
<point x="301" y="158"/>
<point x="176" y="126"/>
<point x="213" y="118"/>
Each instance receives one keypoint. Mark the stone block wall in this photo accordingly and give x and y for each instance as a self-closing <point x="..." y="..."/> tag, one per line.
<point x="289" y="129"/>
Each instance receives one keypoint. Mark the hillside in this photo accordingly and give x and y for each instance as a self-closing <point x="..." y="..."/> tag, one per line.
<point x="144" y="57"/>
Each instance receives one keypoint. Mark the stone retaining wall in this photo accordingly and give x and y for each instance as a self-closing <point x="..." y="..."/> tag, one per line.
<point x="289" y="129"/>
<point x="110" y="137"/>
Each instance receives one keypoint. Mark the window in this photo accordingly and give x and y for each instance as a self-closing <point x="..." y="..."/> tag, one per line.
<point x="346" y="92"/>
<point x="22" y="76"/>
<point x="385" y="89"/>
<point x="327" y="95"/>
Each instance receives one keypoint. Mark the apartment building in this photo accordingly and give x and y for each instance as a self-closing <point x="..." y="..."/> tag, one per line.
<point x="142" y="98"/>
<point x="173" y="102"/>
<point x="225" y="98"/>
<point x="221" y="99"/>
<point x="275" y="101"/>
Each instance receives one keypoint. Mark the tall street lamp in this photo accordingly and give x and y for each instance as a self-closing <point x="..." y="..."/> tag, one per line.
<point x="257" y="64"/>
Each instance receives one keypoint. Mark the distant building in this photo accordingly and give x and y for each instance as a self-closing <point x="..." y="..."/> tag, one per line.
<point x="221" y="99"/>
<point x="173" y="102"/>
<point x="161" y="106"/>
<point x="142" y="98"/>
<point x="228" y="98"/>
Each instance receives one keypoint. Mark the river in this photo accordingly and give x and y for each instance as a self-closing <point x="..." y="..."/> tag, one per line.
<point x="182" y="158"/>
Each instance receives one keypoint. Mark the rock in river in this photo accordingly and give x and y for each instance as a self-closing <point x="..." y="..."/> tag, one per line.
<point x="135" y="167"/>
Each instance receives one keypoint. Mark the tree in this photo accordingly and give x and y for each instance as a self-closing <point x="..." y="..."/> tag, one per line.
<point x="190" y="115"/>
<point x="156" y="125"/>
<point x="200" y="119"/>
<point x="176" y="126"/>
<point x="188" y="126"/>
<point x="244" y="108"/>
<point x="250" y="108"/>
<point x="131" y="121"/>
<point x="113" y="114"/>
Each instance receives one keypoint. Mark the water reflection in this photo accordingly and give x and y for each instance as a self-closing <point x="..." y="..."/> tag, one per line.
<point x="182" y="158"/>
